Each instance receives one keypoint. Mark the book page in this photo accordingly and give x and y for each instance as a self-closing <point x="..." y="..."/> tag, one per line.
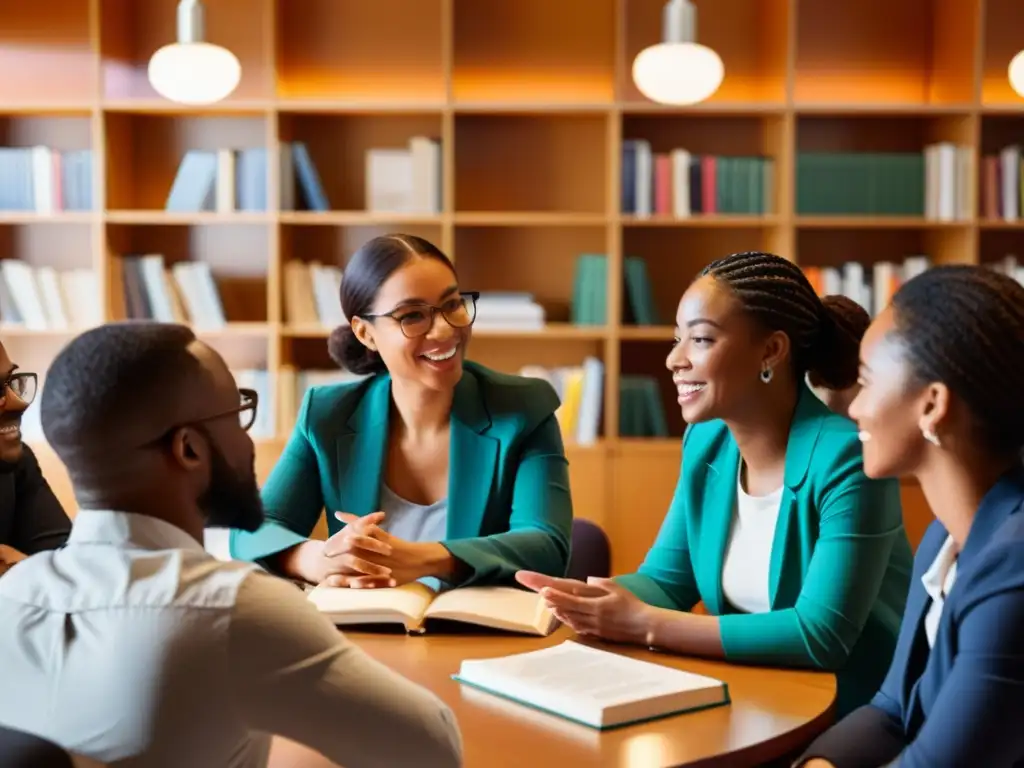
<point x="499" y="607"/>
<point x="408" y="600"/>
<point x="574" y="672"/>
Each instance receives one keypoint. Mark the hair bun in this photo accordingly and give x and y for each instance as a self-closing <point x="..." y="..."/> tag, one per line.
<point x="833" y="359"/>
<point x="351" y="354"/>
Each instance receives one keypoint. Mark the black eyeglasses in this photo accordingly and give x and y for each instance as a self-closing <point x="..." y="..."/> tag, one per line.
<point x="246" y="412"/>
<point x="416" y="320"/>
<point x="22" y="385"/>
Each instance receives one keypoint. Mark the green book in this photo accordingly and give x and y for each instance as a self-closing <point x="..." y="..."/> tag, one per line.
<point x="593" y="687"/>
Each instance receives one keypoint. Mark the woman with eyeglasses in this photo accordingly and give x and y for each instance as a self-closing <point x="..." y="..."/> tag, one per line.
<point x="432" y="467"/>
<point x="31" y="518"/>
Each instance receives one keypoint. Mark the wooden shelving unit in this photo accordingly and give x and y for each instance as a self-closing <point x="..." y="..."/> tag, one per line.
<point x="532" y="100"/>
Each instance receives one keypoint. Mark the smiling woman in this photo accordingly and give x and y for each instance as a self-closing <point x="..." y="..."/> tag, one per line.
<point x="432" y="466"/>
<point x="800" y="559"/>
<point x="31" y="518"/>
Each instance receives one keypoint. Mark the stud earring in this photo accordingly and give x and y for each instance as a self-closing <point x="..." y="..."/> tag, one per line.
<point x="931" y="437"/>
<point x="766" y="374"/>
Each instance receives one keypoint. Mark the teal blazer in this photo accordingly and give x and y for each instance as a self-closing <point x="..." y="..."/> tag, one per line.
<point x="509" y="506"/>
<point x="840" y="564"/>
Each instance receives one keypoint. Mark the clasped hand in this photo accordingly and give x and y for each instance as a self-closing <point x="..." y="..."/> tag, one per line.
<point x="362" y="555"/>
<point x="597" y="607"/>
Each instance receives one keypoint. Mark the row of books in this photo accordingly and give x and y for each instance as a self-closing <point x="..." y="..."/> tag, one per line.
<point x="871" y="287"/>
<point x="222" y="180"/>
<point x="681" y="184"/>
<point x="581" y="391"/>
<point x="43" y="298"/>
<point x="1002" y="185"/>
<point x="43" y="180"/>
<point x="183" y="293"/>
<point x="590" y="291"/>
<point x="860" y="183"/>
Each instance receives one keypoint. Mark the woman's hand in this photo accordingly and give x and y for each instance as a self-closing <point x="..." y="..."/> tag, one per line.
<point x="598" y="607"/>
<point x="405" y="561"/>
<point x="342" y="560"/>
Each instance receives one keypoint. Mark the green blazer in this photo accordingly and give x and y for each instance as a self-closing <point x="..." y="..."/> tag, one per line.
<point x="840" y="564"/>
<point x="509" y="506"/>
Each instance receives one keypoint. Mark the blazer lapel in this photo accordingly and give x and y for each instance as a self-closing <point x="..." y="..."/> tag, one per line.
<point x="784" y="564"/>
<point x="473" y="456"/>
<point x="361" y="451"/>
<point x="719" y="504"/>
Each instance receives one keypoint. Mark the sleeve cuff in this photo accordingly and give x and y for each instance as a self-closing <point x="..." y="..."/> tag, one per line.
<point x="268" y="540"/>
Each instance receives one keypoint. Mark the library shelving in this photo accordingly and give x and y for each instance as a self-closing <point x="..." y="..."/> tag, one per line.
<point x="535" y="136"/>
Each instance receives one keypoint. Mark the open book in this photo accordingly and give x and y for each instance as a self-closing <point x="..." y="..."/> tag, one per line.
<point x="593" y="687"/>
<point x="507" y="608"/>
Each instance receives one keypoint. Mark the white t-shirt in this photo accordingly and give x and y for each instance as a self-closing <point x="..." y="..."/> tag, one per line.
<point x="749" y="551"/>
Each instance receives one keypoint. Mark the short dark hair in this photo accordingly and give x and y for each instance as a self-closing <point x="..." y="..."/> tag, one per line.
<point x="825" y="339"/>
<point x="964" y="326"/>
<point x="113" y="383"/>
<point x="366" y="272"/>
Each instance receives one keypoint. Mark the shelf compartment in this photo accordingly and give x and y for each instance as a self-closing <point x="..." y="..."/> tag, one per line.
<point x="131" y="32"/>
<point x="839" y="260"/>
<point x="744" y="151"/>
<point x="542" y="261"/>
<point x="331" y="247"/>
<point x="1000" y="203"/>
<point x="1001" y="246"/>
<point x="358" y="52"/>
<point x="1003" y="39"/>
<point x="673" y="257"/>
<point x="48" y="292"/>
<point x="59" y="180"/>
<point x="144" y="152"/>
<point x="877" y="166"/>
<point x="749" y="35"/>
<point x="338" y="147"/>
<point x="886" y="52"/>
<point x="534" y="51"/>
<point x="646" y="360"/>
<point x="237" y="255"/>
<point x="46" y="54"/>
<point x="565" y="173"/>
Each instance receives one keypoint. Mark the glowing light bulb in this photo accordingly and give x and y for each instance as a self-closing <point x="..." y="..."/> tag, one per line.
<point x="1016" y="73"/>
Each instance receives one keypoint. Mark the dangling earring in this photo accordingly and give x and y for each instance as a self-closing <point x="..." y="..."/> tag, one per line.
<point x="766" y="373"/>
<point x="931" y="437"/>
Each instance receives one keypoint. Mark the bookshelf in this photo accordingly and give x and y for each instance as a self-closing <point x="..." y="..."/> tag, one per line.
<point x="532" y="101"/>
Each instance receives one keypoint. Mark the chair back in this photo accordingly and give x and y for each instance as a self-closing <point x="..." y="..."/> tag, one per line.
<point x="591" y="551"/>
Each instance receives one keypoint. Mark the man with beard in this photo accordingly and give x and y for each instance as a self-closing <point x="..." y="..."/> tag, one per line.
<point x="132" y="645"/>
<point x="31" y="518"/>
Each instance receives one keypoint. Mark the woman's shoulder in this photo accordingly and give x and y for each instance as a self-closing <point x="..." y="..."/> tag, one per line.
<point x="335" y="401"/>
<point x="506" y="394"/>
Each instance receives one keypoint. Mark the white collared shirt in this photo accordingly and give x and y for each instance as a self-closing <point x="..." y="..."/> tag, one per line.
<point x="938" y="580"/>
<point x="133" y="644"/>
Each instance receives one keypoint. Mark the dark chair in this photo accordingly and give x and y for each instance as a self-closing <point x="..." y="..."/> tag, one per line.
<point x="591" y="552"/>
<point x="24" y="750"/>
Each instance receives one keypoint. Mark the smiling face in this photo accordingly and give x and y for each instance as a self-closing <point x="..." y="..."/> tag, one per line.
<point x="433" y="359"/>
<point x="718" y="354"/>
<point x="10" y="416"/>
<point x="891" y="407"/>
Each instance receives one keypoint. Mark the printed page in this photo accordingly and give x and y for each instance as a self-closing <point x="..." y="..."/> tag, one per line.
<point x="575" y="671"/>
<point x="408" y="600"/>
<point x="509" y="608"/>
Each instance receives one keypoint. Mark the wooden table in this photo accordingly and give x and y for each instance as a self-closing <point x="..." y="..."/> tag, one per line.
<point x="772" y="712"/>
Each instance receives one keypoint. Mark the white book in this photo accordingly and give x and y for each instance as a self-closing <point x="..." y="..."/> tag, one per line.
<point x="593" y="687"/>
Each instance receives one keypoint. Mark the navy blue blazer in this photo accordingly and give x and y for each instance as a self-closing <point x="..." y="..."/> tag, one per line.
<point x="961" y="703"/>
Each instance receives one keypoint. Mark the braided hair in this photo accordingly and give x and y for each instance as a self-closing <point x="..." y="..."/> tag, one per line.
<point x="964" y="326"/>
<point x="824" y="334"/>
